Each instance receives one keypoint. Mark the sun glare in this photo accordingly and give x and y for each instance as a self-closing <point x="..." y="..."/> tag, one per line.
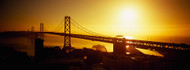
<point x="128" y="37"/>
<point x="128" y="20"/>
<point x="129" y="15"/>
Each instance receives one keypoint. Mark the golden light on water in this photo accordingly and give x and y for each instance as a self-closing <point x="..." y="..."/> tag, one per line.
<point x="149" y="52"/>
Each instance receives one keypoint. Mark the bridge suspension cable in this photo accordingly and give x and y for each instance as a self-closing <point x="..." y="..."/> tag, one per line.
<point x="59" y="26"/>
<point x="82" y="29"/>
<point x="46" y="29"/>
<point x="73" y="22"/>
<point x="85" y="29"/>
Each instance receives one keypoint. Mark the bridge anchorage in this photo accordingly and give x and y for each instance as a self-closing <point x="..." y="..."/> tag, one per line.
<point x="119" y="44"/>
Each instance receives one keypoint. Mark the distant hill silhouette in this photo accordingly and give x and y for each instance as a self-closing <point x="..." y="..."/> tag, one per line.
<point x="99" y="48"/>
<point x="14" y="34"/>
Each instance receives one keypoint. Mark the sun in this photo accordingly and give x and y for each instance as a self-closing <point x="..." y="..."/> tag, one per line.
<point x="128" y="20"/>
<point x="128" y="15"/>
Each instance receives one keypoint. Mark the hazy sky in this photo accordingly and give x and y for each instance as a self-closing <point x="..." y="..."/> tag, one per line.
<point x="127" y="17"/>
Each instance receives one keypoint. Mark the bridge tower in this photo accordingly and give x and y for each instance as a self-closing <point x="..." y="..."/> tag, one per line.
<point x="67" y="31"/>
<point x="41" y="31"/>
<point x="119" y="46"/>
<point x="32" y="29"/>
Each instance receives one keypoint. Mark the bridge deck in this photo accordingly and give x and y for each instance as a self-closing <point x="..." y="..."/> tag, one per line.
<point x="133" y="43"/>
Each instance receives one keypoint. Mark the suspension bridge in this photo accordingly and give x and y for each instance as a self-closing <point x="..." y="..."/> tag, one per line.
<point x="119" y="44"/>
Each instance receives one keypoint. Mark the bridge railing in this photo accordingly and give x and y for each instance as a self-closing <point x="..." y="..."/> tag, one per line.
<point x="151" y="44"/>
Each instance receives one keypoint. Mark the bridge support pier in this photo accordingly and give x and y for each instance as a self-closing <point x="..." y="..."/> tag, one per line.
<point x="38" y="47"/>
<point x="119" y="46"/>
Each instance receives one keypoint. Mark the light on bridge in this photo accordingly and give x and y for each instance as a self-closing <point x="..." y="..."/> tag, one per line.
<point x="127" y="46"/>
<point x="127" y="53"/>
<point x="129" y="42"/>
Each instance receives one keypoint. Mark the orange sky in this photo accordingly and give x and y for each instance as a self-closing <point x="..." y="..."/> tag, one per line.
<point x="138" y="18"/>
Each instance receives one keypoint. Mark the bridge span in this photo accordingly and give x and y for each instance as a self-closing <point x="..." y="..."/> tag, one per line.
<point x="119" y="44"/>
<point x="131" y="42"/>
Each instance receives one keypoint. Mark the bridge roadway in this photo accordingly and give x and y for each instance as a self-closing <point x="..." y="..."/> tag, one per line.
<point x="133" y="43"/>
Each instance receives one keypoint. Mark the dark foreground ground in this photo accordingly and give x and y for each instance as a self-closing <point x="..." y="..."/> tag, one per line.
<point x="88" y="59"/>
